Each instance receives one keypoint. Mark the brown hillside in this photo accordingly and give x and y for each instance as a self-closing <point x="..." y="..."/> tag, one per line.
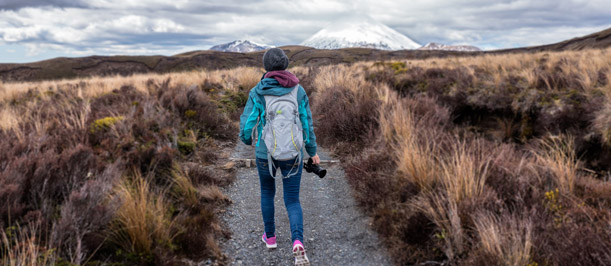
<point x="601" y="39"/>
<point x="60" y="68"/>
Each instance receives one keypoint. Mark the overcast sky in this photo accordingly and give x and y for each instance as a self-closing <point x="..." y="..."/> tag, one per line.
<point x="32" y="30"/>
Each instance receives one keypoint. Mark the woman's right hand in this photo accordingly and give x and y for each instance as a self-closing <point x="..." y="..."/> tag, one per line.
<point x="315" y="159"/>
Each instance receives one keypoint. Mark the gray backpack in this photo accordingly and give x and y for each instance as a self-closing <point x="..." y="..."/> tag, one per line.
<point x="283" y="133"/>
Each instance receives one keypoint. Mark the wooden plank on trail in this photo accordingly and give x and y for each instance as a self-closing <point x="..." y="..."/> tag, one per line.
<point x="240" y="162"/>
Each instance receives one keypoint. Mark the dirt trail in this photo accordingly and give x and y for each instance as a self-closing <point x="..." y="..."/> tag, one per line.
<point x="335" y="232"/>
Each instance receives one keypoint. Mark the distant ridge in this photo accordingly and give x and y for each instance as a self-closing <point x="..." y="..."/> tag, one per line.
<point x="59" y="68"/>
<point x="240" y="46"/>
<point x="601" y="39"/>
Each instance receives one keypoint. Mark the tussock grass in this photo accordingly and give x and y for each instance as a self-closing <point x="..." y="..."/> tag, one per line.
<point x="21" y="247"/>
<point x="443" y="211"/>
<point x="143" y="220"/>
<point x="602" y="122"/>
<point x="350" y="77"/>
<point x="182" y="186"/>
<point x="417" y="159"/>
<point x="227" y="80"/>
<point x="463" y="176"/>
<point x="557" y="155"/>
<point x="458" y="166"/>
<point x="68" y="145"/>
<point x="420" y="141"/>
<point x="507" y="240"/>
<point x="9" y="121"/>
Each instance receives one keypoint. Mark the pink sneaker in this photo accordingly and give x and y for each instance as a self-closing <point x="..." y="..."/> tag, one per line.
<point x="269" y="242"/>
<point x="300" y="255"/>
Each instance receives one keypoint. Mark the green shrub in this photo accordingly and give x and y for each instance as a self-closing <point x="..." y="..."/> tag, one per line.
<point x="104" y="123"/>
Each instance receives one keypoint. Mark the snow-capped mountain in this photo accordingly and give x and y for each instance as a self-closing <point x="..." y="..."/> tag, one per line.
<point x="445" y="47"/>
<point x="240" y="46"/>
<point x="360" y="32"/>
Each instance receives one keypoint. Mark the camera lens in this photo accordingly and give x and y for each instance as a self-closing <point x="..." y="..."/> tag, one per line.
<point x="322" y="172"/>
<point x="311" y="167"/>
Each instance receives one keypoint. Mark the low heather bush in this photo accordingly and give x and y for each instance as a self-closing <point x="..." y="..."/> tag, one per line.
<point x="200" y="113"/>
<point x="88" y="167"/>
<point x="344" y="118"/>
<point x="444" y="172"/>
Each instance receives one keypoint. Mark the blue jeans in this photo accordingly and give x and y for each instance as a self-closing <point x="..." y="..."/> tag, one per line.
<point x="291" y="196"/>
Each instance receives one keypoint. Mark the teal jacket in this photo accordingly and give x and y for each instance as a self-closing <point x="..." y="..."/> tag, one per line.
<point x="254" y="112"/>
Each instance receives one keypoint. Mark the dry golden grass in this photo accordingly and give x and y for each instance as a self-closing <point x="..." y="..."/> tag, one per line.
<point x="347" y="76"/>
<point x="135" y="121"/>
<point x="88" y="88"/>
<point x="586" y="65"/>
<point x="462" y="175"/>
<point x="212" y="193"/>
<point x="602" y="123"/>
<point x="448" y="177"/>
<point x="231" y="80"/>
<point x="417" y="161"/>
<point x="21" y="247"/>
<point x="443" y="211"/>
<point x="557" y="155"/>
<point x="247" y="77"/>
<point x="182" y="186"/>
<point x="507" y="239"/>
<point x="9" y="121"/>
<point x="447" y="172"/>
<point x="142" y="220"/>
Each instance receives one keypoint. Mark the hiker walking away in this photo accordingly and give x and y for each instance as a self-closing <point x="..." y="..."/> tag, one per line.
<point x="280" y="110"/>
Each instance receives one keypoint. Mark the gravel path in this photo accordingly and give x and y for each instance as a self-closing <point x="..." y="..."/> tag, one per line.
<point x="335" y="232"/>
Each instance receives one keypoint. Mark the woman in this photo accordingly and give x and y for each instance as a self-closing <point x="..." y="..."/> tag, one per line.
<point x="277" y="82"/>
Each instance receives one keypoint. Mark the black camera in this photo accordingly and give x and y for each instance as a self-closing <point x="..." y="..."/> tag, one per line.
<point x="315" y="168"/>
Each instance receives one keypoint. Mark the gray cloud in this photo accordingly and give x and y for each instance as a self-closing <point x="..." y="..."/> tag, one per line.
<point x="17" y="4"/>
<point x="75" y="27"/>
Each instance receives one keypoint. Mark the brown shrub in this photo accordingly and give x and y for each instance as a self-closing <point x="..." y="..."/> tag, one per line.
<point x="571" y="243"/>
<point x="602" y="123"/>
<point x="85" y="215"/>
<point x="345" y="119"/>
<point x="195" y="107"/>
<point x="66" y="154"/>
<point x="199" y="228"/>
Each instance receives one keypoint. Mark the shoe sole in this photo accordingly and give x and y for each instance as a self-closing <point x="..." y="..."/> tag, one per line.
<point x="268" y="245"/>
<point x="301" y="259"/>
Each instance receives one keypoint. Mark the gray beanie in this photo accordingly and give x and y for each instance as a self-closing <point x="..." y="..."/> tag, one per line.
<point x="275" y="59"/>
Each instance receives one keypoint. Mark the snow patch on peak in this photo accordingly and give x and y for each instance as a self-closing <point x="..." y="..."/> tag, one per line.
<point x="240" y="46"/>
<point x="360" y="32"/>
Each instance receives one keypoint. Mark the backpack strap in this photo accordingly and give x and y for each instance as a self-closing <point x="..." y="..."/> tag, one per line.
<point x="299" y="161"/>
<point x="270" y="164"/>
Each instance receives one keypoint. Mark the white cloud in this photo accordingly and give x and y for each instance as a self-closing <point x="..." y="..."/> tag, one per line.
<point x="20" y="34"/>
<point x="169" y="27"/>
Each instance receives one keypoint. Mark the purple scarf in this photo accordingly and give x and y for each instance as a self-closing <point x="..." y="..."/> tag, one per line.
<point x="285" y="79"/>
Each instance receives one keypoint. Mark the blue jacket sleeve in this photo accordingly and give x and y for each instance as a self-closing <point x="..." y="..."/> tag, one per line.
<point x="305" y="115"/>
<point x="248" y="119"/>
